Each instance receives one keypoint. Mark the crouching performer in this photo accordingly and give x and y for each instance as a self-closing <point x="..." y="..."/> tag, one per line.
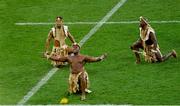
<point x="58" y="34"/>
<point x="78" y="78"/>
<point x="149" y="44"/>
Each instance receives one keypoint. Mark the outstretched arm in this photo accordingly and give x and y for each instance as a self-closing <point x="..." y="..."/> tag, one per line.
<point x="70" y="50"/>
<point x="95" y="59"/>
<point x="58" y="58"/>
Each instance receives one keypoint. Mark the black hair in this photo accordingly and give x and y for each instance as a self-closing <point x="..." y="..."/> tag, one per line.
<point x="59" y="17"/>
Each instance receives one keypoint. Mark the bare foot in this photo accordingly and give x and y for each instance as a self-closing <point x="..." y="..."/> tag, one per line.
<point x="174" y="53"/>
<point x="83" y="97"/>
<point x="138" y="62"/>
<point x="88" y="91"/>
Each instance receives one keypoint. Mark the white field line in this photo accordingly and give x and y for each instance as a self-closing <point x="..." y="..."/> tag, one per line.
<point x="88" y="23"/>
<point x="102" y="21"/>
<point x="85" y="105"/>
<point x="38" y="86"/>
<point x="86" y="37"/>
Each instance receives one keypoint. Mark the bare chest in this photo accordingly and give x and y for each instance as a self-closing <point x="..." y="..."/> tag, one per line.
<point x="76" y="59"/>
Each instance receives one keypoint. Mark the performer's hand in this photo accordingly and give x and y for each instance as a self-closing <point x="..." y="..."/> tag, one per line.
<point x="46" y="54"/>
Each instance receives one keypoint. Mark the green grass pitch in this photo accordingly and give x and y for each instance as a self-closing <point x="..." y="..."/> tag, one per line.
<point x="117" y="80"/>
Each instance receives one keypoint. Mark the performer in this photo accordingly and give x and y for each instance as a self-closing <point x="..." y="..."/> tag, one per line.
<point x="149" y="44"/>
<point x="58" y="33"/>
<point x="78" y="78"/>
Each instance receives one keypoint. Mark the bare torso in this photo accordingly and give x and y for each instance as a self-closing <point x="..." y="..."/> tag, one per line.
<point x="76" y="63"/>
<point x="59" y="37"/>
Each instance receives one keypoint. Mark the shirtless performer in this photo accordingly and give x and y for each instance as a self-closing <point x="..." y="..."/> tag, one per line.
<point x="58" y="33"/>
<point x="149" y="44"/>
<point x="78" y="78"/>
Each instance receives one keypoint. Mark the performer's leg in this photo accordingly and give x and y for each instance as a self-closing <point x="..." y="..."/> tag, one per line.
<point x="136" y="46"/>
<point x="70" y="84"/>
<point x="166" y="57"/>
<point x="159" y="56"/>
<point x="172" y="53"/>
<point x="87" y="83"/>
<point x="83" y="86"/>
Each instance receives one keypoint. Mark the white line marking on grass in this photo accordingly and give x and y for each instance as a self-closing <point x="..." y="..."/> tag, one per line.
<point x="86" y="37"/>
<point x="38" y="86"/>
<point x="85" y="105"/>
<point x="89" y="23"/>
<point x="102" y="21"/>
